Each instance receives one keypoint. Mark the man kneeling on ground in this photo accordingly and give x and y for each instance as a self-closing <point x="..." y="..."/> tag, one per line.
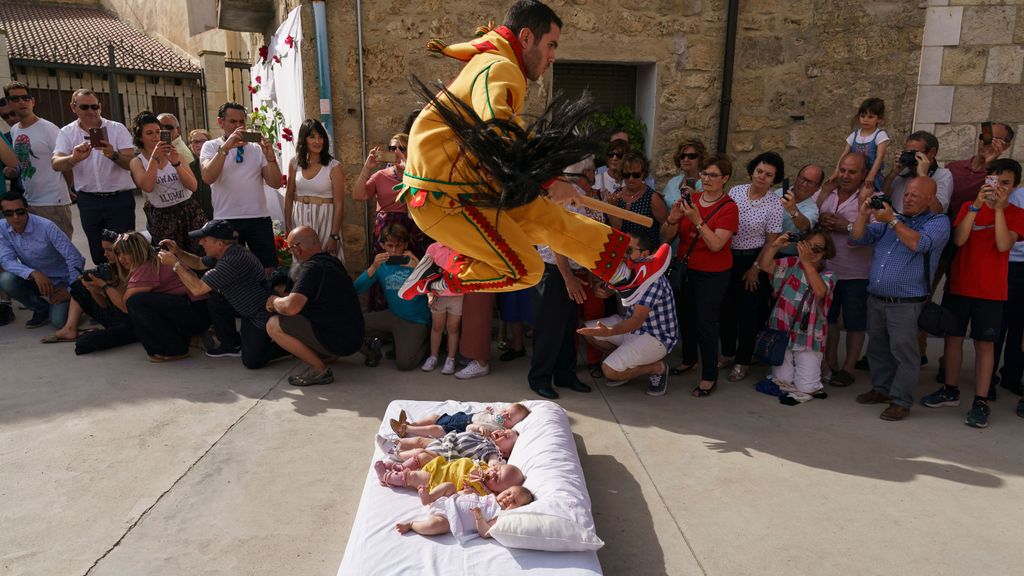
<point x="321" y="316"/>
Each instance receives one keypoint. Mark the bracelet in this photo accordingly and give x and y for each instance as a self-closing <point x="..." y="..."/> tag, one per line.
<point x="105" y="286"/>
<point x="175" y="165"/>
<point x="175" y="267"/>
<point x="698" y="227"/>
<point x="971" y="208"/>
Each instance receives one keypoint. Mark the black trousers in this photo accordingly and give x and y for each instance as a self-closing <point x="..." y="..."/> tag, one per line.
<point x="164" y="323"/>
<point x="1012" y="333"/>
<point x="554" y="332"/>
<point x="258" y="235"/>
<point x="745" y="312"/>
<point x="257" y="348"/>
<point x="698" y="305"/>
<point x="114" y="212"/>
<point x="117" y="326"/>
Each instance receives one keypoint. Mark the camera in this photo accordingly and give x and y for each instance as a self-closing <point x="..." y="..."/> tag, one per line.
<point x="879" y="202"/>
<point x="102" y="272"/>
<point x="908" y="158"/>
<point x="794" y="237"/>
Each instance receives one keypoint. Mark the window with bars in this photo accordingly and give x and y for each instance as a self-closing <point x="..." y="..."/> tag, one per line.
<point x="611" y="85"/>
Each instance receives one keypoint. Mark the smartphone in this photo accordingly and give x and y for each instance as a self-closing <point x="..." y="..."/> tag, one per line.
<point x="785" y="186"/>
<point x="97" y="136"/>
<point x="986" y="133"/>
<point x="691" y="183"/>
<point x="992" y="180"/>
<point x="251" y="137"/>
<point x="397" y="260"/>
<point x="385" y="156"/>
<point x="165" y="136"/>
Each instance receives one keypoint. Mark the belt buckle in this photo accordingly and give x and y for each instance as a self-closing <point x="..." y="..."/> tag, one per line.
<point x="305" y="199"/>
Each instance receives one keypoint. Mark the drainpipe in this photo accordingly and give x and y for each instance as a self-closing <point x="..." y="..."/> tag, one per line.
<point x="730" y="48"/>
<point x="362" y="121"/>
<point x="323" y="70"/>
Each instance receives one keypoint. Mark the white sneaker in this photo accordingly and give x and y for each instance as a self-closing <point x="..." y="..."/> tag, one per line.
<point x="449" y="366"/>
<point x="473" y="370"/>
<point x="429" y="364"/>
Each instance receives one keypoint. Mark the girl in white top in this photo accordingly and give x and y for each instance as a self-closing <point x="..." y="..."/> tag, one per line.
<point x="168" y="183"/>
<point x="315" y="194"/>
<point x="869" y="139"/>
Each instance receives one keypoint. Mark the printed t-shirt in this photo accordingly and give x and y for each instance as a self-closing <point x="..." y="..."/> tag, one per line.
<point x="702" y="258"/>
<point x="161" y="278"/>
<point x="238" y="192"/>
<point x="33" y="146"/>
<point x="979" y="270"/>
<point x="167" y="189"/>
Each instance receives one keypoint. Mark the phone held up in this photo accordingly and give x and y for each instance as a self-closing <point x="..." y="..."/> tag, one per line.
<point x="250" y="136"/>
<point x="397" y="260"/>
<point x="385" y="156"/>
<point x="986" y="133"/>
<point x="97" y="137"/>
<point x="165" y="136"/>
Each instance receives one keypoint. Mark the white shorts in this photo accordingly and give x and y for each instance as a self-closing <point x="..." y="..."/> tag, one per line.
<point x="632" y="349"/>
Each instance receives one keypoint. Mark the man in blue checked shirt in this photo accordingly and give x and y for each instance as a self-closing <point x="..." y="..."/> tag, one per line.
<point x="38" y="261"/>
<point x="898" y="288"/>
<point x="639" y="342"/>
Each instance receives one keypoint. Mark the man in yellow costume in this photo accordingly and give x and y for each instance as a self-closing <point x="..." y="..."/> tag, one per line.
<point x="492" y="241"/>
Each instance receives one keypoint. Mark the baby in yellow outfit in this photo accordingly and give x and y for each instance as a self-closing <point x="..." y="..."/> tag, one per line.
<point x="441" y="477"/>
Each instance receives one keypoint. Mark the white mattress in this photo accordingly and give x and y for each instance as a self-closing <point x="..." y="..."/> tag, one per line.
<point x="546" y="453"/>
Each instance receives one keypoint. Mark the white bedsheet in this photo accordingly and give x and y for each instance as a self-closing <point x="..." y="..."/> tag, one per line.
<point x="548" y="454"/>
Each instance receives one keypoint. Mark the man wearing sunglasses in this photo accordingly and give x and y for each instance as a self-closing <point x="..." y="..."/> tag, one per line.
<point x="48" y="192"/>
<point x="39" y="263"/>
<point x="97" y="152"/>
<point x="169" y="122"/>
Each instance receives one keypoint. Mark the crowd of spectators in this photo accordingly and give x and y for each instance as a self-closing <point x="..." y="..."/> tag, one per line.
<point x="764" y="272"/>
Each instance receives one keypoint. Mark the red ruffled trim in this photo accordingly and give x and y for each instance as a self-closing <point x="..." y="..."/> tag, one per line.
<point x="459" y="263"/>
<point x="611" y="256"/>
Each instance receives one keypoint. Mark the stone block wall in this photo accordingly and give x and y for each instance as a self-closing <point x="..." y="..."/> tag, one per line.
<point x="972" y="61"/>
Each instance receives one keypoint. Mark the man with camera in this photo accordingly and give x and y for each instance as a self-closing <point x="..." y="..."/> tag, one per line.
<point x="800" y="205"/>
<point x="898" y="287"/>
<point x="39" y="262"/>
<point x="236" y="284"/>
<point x="918" y="160"/>
<point x="236" y="166"/>
<point x="995" y="139"/>
<point x="321" y="316"/>
<point x="97" y="152"/>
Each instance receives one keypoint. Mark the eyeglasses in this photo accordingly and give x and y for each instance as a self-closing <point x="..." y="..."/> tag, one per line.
<point x="706" y="174"/>
<point x="393" y="148"/>
<point x="169" y="127"/>
<point x="84" y="107"/>
<point x="20" y="98"/>
<point x="15" y="212"/>
<point x="633" y="175"/>
<point x="689" y="156"/>
<point x="615" y="154"/>
<point x="800" y="179"/>
<point x="238" y="154"/>
<point x="198" y="141"/>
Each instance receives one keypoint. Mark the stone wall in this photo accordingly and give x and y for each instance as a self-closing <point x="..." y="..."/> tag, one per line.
<point x="971" y="65"/>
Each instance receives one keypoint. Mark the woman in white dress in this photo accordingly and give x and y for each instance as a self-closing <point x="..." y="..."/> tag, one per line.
<point x="315" y="195"/>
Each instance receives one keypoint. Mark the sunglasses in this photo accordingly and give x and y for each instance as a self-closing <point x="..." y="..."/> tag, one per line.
<point x="238" y="154"/>
<point x="633" y="175"/>
<point x="84" y="107"/>
<point x="615" y="154"/>
<point x="689" y="156"/>
<point x="393" y="148"/>
<point x="15" y="212"/>
<point x="20" y="98"/>
<point x="169" y="127"/>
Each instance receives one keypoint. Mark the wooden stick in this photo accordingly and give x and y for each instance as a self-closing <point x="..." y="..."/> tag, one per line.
<point x="609" y="209"/>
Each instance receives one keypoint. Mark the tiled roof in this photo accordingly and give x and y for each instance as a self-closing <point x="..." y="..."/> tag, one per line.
<point x="80" y="35"/>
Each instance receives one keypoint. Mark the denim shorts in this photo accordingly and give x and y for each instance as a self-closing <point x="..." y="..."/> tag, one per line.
<point x="850" y="300"/>
<point x="454" y="422"/>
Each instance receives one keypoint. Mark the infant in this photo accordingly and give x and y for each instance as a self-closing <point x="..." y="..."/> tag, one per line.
<point x="414" y="453"/>
<point x="439" y="477"/>
<point x="466" y="514"/>
<point x="484" y="422"/>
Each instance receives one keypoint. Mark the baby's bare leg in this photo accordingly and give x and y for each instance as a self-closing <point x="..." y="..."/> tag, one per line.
<point x="443" y="489"/>
<point x="425" y="421"/>
<point x="412" y="443"/>
<point x="429" y="431"/>
<point x="431" y="526"/>
<point x="417" y="478"/>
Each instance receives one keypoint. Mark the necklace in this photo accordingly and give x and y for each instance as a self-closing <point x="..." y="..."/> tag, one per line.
<point x="705" y="202"/>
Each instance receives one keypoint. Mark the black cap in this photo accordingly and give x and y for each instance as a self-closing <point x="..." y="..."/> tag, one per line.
<point x="219" y="229"/>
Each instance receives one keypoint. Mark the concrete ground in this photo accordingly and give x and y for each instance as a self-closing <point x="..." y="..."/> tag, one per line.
<point x="111" y="465"/>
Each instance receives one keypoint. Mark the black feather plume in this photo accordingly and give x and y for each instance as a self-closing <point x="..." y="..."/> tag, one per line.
<point x="508" y="163"/>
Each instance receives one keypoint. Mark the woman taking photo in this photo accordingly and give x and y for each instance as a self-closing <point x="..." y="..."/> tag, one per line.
<point x="162" y="310"/>
<point x="704" y="222"/>
<point x="315" y="194"/>
<point x="168" y="184"/>
<point x="689" y="159"/>
<point x="749" y="292"/>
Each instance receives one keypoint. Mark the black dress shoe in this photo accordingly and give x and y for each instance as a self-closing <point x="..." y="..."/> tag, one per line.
<point x="546" y="393"/>
<point x="576" y="386"/>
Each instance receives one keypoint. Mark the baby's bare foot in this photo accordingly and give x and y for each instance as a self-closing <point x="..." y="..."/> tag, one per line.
<point x="424" y="495"/>
<point x="403" y="527"/>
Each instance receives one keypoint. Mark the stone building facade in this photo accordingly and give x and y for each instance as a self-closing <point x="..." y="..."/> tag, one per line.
<point x="801" y="69"/>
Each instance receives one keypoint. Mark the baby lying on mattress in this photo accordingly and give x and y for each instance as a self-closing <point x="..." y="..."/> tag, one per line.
<point x="484" y="422"/>
<point x="413" y="453"/>
<point x="466" y="514"/>
<point x="439" y="477"/>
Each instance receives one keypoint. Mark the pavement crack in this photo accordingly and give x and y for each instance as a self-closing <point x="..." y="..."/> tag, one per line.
<point x="145" y="513"/>
<point x="657" y="489"/>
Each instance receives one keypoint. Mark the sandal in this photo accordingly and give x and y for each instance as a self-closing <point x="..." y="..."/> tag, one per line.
<point x="399" y="428"/>
<point x="699" y="392"/>
<point x="739" y="372"/>
<point x="596" y="372"/>
<point x="681" y="369"/>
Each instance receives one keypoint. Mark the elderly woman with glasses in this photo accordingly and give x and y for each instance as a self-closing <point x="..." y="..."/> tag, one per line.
<point x="196" y="139"/>
<point x="689" y="158"/>
<point x="315" y="194"/>
<point x="380" y="184"/>
<point x="636" y="196"/>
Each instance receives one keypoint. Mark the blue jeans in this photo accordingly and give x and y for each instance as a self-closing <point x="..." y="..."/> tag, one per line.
<point x="26" y="292"/>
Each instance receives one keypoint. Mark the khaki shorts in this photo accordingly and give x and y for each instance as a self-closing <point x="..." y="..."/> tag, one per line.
<point x="59" y="215"/>
<point x="300" y="328"/>
<point x="450" y="304"/>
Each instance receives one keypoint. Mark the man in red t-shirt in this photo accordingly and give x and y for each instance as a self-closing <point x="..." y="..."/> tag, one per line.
<point x="984" y="232"/>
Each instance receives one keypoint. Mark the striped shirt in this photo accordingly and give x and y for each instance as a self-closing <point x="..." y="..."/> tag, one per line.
<point x="464" y="445"/>
<point x="239" y="277"/>
<point x="661" y="321"/>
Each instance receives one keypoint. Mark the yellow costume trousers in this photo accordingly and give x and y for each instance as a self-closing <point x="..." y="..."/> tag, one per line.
<point x="495" y="250"/>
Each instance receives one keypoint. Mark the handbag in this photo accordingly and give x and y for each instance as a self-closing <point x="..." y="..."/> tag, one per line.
<point x="678" y="268"/>
<point x="934" y="319"/>
<point x="770" y="344"/>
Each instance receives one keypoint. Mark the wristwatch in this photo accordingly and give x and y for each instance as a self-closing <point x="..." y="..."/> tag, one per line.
<point x="849" y="228"/>
<point x="335" y="237"/>
<point x="892" y="223"/>
<point x="221" y="150"/>
<point x="115" y="155"/>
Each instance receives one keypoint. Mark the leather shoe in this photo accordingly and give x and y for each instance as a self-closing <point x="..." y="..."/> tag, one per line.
<point x="872" y="397"/>
<point x="576" y="386"/>
<point x="895" y="412"/>
<point x="546" y="393"/>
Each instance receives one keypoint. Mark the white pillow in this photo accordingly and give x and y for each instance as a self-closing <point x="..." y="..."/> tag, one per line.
<point x="534" y="531"/>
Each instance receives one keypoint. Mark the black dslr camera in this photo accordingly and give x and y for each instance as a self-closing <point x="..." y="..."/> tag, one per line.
<point x="103" y="272"/>
<point x="879" y="202"/>
<point x="794" y="237"/>
<point x="908" y="158"/>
